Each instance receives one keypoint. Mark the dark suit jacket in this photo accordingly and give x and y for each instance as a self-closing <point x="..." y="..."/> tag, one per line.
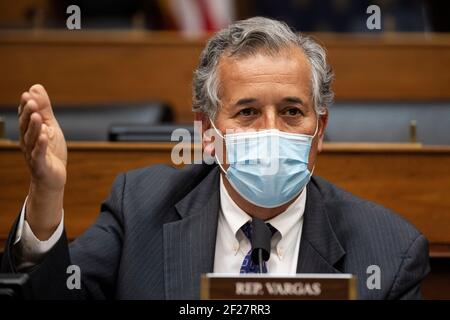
<point x="156" y="235"/>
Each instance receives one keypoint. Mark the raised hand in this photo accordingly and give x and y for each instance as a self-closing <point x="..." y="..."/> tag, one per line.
<point x="43" y="144"/>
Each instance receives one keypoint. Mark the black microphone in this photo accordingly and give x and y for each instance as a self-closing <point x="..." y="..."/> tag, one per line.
<point x="261" y="236"/>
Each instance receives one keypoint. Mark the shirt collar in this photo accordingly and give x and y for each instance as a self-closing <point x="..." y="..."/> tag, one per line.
<point x="286" y="220"/>
<point x="235" y="217"/>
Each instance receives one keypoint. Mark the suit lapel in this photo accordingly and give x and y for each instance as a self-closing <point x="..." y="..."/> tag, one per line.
<point x="189" y="243"/>
<point x="320" y="249"/>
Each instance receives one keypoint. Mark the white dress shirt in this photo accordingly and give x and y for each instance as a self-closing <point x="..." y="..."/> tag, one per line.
<point x="232" y="245"/>
<point x="28" y="249"/>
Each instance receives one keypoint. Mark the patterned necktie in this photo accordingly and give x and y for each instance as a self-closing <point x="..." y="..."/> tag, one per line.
<point x="247" y="265"/>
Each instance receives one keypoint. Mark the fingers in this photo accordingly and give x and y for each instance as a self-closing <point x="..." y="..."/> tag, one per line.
<point x="23" y="101"/>
<point x="33" y="132"/>
<point x="36" y="121"/>
<point x="40" y="148"/>
<point x="24" y="119"/>
<point x="39" y="94"/>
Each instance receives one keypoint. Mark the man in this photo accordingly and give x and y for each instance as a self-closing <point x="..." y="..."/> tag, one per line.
<point x="258" y="85"/>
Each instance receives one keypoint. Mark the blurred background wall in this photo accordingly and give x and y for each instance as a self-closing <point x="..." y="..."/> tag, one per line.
<point x="144" y="52"/>
<point x="196" y="16"/>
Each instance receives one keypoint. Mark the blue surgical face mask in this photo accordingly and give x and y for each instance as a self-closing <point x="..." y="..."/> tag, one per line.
<point x="268" y="168"/>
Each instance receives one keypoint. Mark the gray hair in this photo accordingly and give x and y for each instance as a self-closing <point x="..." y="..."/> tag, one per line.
<point x="249" y="37"/>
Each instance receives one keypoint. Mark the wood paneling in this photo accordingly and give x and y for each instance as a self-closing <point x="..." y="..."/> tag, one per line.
<point x="103" y="67"/>
<point x="412" y="180"/>
<point x="92" y="168"/>
<point x="413" y="183"/>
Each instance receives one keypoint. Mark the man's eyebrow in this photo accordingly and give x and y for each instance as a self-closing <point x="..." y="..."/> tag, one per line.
<point x="244" y="101"/>
<point x="293" y="100"/>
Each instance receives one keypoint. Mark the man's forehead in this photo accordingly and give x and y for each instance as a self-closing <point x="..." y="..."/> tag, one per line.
<point x="284" y="63"/>
<point x="261" y="76"/>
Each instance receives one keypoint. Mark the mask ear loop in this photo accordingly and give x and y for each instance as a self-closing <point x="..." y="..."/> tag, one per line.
<point x="313" y="136"/>
<point x="218" y="132"/>
<point x="315" y="132"/>
<point x="215" y="153"/>
<point x="317" y="127"/>
<point x="314" y="167"/>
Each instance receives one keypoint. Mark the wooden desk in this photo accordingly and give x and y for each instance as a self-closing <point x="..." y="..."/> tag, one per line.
<point x="410" y="179"/>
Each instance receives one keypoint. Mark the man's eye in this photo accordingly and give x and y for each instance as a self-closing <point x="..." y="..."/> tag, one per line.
<point x="247" y="112"/>
<point x="292" y="112"/>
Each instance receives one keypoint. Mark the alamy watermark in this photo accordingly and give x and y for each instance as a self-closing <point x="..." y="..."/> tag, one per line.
<point x="74" y="279"/>
<point x="73" y="21"/>
<point x="374" y="279"/>
<point x="373" y="22"/>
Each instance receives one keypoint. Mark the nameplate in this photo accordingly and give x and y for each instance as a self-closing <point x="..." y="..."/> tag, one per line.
<point x="270" y="287"/>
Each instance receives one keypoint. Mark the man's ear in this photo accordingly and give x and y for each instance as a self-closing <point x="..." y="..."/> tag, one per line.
<point x="206" y="139"/>
<point x="201" y="116"/>
<point x="323" y="121"/>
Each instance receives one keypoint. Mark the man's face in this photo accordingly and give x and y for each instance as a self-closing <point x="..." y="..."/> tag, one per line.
<point x="268" y="92"/>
